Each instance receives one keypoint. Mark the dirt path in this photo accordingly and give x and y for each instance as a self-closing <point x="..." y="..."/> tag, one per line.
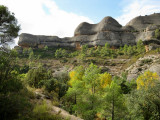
<point x="61" y="112"/>
<point x="57" y="110"/>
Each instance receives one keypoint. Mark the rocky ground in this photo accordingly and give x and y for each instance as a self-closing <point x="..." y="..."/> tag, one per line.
<point x="148" y="62"/>
<point x="54" y="109"/>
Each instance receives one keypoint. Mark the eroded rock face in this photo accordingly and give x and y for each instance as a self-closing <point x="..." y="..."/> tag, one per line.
<point x="150" y="62"/>
<point x="108" y="30"/>
<point x="140" y="23"/>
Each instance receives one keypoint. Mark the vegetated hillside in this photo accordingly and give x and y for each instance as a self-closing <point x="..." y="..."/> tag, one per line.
<point x="55" y="75"/>
<point x="85" y="83"/>
<point x="111" y="60"/>
<point x="91" y="83"/>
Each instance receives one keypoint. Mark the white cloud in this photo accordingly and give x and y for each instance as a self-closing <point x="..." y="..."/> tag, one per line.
<point x="33" y="18"/>
<point x="138" y="7"/>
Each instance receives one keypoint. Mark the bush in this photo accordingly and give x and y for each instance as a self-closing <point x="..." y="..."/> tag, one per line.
<point x="42" y="112"/>
<point x="157" y="33"/>
<point x="37" y="76"/>
<point x="60" y="53"/>
<point x="145" y="61"/>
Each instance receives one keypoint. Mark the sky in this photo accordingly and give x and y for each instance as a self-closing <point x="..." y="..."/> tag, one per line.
<point x="61" y="17"/>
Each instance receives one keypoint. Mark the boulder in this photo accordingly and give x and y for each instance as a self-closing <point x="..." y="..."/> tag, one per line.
<point x="155" y="68"/>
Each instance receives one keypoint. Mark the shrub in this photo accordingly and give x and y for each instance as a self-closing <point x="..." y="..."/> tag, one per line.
<point x="60" y="53"/>
<point x="42" y="112"/>
<point x="157" y="33"/>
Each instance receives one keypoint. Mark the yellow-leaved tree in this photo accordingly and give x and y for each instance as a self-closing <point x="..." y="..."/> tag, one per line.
<point x="147" y="79"/>
<point x="105" y="79"/>
<point x="72" y="77"/>
<point x="76" y="75"/>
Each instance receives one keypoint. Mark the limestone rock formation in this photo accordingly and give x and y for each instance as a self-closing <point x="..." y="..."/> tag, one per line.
<point x="108" y="30"/>
<point x="150" y="62"/>
<point x="140" y="23"/>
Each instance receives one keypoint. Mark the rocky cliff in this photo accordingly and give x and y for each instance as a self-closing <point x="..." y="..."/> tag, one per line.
<point x="108" y="30"/>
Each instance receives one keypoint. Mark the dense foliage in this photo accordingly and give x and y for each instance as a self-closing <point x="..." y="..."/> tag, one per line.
<point x="13" y="101"/>
<point x="8" y="25"/>
<point x="28" y="86"/>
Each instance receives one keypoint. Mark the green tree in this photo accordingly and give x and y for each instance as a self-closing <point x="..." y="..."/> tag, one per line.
<point x="98" y="51"/>
<point x="157" y="33"/>
<point x="46" y="48"/>
<point x="76" y="86"/>
<point x="13" y="98"/>
<point x="91" y="52"/>
<point x="37" y="76"/>
<point x="130" y="50"/>
<point x="88" y="105"/>
<point x="61" y="53"/>
<point x="84" y="49"/>
<point x="113" y="103"/>
<point x="31" y="55"/>
<point x="90" y="77"/>
<point x="105" y="51"/>
<point x="25" y="52"/>
<point x="125" y="48"/>
<point x="146" y="99"/>
<point x="85" y="90"/>
<point x="8" y="24"/>
<point x="140" y="47"/>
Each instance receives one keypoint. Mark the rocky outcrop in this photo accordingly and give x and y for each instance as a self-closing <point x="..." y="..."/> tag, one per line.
<point x="108" y="30"/>
<point x="150" y="62"/>
<point x="140" y="23"/>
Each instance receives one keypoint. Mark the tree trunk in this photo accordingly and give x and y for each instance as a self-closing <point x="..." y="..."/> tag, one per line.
<point x="75" y="99"/>
<point x="113" y="110"/>
<point x="113" y="106"/>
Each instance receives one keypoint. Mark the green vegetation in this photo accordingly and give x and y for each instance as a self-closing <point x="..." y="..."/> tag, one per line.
<point x="86" y="91"/>
<point x="157" y="33"/>
<point x="32" y="82"/>
<point x="41" y="112"/>
<point x="8" y="24"/>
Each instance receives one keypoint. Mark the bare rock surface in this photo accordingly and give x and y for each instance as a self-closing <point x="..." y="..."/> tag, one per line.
<point x="108" y="30"/>
<point x="150" y="62"/>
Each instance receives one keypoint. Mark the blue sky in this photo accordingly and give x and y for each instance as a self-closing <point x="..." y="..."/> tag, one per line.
<point x="61" y="17"/>
<point x="94" y="9"/>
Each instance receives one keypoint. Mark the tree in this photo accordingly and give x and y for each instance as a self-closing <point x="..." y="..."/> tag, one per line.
<point x="61" y="53"/>
<point x="113" y="102"/>
<point x="76" y="86"/>
<point x="91" y="52"/>
<point x="147" y="80"/>
<point x="37" y="76"/>
<point x="85" y="90"/>
<point x="8" y="25"/>
<point x="105" y="51"/>
<point x="146" y="103"/>
<point x="125" y="48"/>
<point x="126" y="86"/>
<point x="105" y="79"/>
<point x="157" y="33"/>
<point x="84" y="49"/>
<point x="140" y="47"/>
<point x="146" y="99"/>
<point x="13" y="95"/>
<point x="90" y="77"/>
<point x="46" y="48"/>
<point x="31" y="56"/>
<point x="130" y="50"/>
